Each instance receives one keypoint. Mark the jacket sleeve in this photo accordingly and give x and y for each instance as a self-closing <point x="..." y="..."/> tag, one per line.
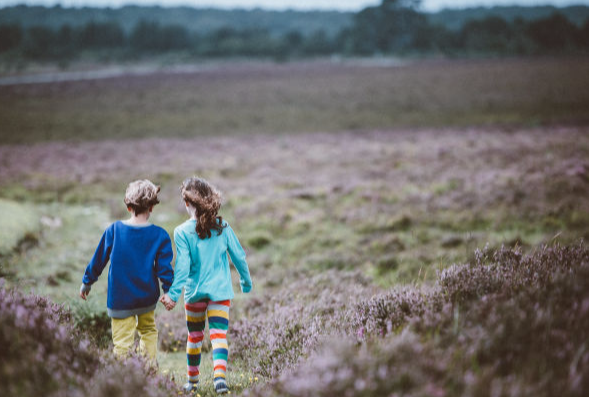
<point x="163" y="263"/>
<point x="182" y="267"/>
<point x="100" y="258"/>
<point x="237" y="255"/>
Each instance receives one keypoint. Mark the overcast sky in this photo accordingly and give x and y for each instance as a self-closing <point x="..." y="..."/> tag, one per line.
<point x="348" y="5"/>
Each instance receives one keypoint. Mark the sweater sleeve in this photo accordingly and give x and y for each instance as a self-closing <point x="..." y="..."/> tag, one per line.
<point x="163" y="263"/>
<point x="182" y="268"/>
<point x="237" y="255"/>
<point x="100" y="258"/>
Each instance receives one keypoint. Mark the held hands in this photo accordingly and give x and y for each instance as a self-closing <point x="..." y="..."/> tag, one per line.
<point x="167" y="302"/>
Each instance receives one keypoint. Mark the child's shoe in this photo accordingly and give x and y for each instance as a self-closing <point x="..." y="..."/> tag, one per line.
<point x="190" y="387"/>
<point x="221" y="387"/>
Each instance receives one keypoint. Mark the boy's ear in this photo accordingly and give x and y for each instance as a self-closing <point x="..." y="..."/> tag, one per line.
<point x="129" y="209"/>
<point x="151" y="208"/>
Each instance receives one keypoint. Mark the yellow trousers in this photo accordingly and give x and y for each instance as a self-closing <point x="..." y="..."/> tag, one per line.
<point x="123" y="334"/>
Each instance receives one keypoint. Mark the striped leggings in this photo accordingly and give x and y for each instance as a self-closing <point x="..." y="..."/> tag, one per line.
<point x="218" y="315"/>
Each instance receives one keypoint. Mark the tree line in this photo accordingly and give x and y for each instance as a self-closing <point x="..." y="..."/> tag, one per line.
<point x="393" y="27"/>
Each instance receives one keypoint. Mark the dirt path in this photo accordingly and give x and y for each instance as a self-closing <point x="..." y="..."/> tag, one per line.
<point x="97" y="74"/>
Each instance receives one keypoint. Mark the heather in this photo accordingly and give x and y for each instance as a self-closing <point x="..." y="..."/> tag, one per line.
<point x="343" y="251"/>
<point x="44" y="353"/>
<point x="278" y="329"/>
<point x="506" y="324"/>
<point x="241" y="100"/>
<point x="376" y="253"/>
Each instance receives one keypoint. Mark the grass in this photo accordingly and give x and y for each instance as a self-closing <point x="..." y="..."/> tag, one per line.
<point x="314" y="202"/>
<point x="53" y="267"/>
<point x="174" y="365"/>
<point x="299" y="97"/>
<point x="20" y="223"/>
<point x="319" y="214"/>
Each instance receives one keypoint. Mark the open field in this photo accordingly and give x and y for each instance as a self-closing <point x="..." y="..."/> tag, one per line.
<point x="294" y="98"/>
<point x="351" y="232"/>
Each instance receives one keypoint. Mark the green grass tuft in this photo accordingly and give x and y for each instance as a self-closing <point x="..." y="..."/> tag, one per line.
<point x="20" y="224"/>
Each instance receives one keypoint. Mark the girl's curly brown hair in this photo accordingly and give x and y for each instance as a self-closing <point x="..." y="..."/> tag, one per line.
<point x="206" y="200"/>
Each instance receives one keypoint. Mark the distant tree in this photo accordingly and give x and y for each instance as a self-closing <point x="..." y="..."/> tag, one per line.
<point x="247" y="42"/>
<point x="289" y="45"/>
<point x="435" y="38"/>
<point x="492" y="34"/>
<point x="293" y="40"/>
<point x="259" y="43"/>
<point x="554" y="34"/>
<point x="584" y="35"/>
<point x="65" y="42"/>
<point x="345" y="42"/>
<point x="174" y="37"/>
<point x="146" y="36"/>
<point x="364" y="35"/>
<point x="318" y="44"/>
<point x="521" y="43"/>
<point x="95" y="35"/>
<point x="223" y="42"/>
<point x="10" y="37"/>
<point x="390" y="27"/>
<point x="40" y="43"/>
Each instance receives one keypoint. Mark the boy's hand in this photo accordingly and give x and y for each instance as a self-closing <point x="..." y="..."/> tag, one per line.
<point x="84" y="291"/>
<point x="167" y="302"/>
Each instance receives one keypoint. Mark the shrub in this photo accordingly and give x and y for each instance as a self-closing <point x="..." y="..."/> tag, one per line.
<point x="508" y="324"/>
<point x="507" y="270"/>
<point x="280" y="329"/>
<point x="259" y="240"/>
<point x="172" y="330"/>
<point x="39" y="351"/>
<point x="389" y="312"/>
<point x="42" y="353"/>
<point x="92" y="321"/>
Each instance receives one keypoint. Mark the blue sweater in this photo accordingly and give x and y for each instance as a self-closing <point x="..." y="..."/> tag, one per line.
<point x="202" y="267"/>
<point x="138" y="255"/>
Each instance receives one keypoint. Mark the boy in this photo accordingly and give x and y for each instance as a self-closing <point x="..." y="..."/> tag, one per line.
<point x="140" y="253"/>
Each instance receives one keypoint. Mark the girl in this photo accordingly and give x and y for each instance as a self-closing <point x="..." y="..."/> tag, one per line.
<point x="202" y="268"/>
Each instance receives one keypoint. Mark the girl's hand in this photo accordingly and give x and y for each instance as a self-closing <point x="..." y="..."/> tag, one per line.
<point x="168" y="303"/>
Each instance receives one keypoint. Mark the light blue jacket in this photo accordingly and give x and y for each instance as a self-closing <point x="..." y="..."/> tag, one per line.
<point x="202" y="266"/>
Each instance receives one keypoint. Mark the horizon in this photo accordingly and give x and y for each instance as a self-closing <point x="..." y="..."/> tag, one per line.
<point x="284" y="5"/>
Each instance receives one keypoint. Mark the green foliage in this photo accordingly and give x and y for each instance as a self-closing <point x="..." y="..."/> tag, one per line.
<point x="554" y="33"/>
<point x="259" y="240"/>
<point x="10" y="37"/>
<point x="20" y="223"/>
<point x="92" y="321"/>
<point x="393" y="27"/>
<point x="201" y="21"/>
<point x="455" y="19"/>
<point x="325" y="212"/>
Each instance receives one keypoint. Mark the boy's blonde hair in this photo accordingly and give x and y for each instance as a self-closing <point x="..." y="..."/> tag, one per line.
<point x="141" y="195"/>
